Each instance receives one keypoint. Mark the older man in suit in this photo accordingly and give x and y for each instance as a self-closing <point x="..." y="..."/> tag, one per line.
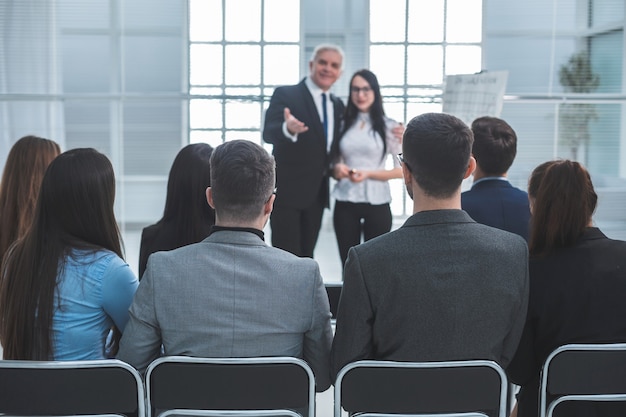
<point x="232" y="295"/>
<point x="301" y="122"/>
<point x="492" y="200"/>
<point x="441" y="287"/>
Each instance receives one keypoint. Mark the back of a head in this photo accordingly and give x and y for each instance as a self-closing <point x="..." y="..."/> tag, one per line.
<point x="189" y="177"/>
<point x="23" y="172"/>
<point x="495" y="145"/>
<point x="243" y="178"/>
<point x="436" y="149"/>
<point x="562" y="204"/>
<point x="76" y="201"/>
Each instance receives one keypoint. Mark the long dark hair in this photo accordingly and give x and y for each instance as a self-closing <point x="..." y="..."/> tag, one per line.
<point x="24" y="169"/>
<point x="74" y="211"/>
<point x="377" y="113"/>
<point x="186" y="209"/>
<point x="563" y="201"/>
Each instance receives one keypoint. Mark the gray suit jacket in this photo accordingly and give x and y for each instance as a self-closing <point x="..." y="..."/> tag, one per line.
<point x="230" y="295"/>
<point x="442" y="287"/>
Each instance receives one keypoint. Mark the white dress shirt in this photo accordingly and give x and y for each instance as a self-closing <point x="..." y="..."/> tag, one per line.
<point x="361" y="148"/>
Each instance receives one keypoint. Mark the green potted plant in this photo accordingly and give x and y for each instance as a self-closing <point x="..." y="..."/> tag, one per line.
<point x="576" y="76"/>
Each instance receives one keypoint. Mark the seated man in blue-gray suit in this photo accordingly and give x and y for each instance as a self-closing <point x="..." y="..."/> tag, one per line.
<point x="232" y="295"/>
<point x="492" y="200"/>
<point x="441" y="287"/>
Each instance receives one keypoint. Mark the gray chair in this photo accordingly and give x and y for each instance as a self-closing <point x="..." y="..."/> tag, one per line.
<point x="228" y="413"/>
<point x="232" y="386"/>
<point x="584" y="375"/>
<point x="97" y="387"/>
<point x="471" y="414"/>
<point x="422" y="388"/>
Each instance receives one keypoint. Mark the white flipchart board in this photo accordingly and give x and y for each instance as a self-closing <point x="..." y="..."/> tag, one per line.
<point x="474" y="95"/>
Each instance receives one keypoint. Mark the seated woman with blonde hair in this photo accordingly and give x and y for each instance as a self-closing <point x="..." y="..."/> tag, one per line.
<point x="577" y="281"/>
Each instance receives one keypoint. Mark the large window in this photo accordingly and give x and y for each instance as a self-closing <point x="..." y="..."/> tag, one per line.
<point x="104" y="74"/>
<point x="577" y="116"/>
<point x="240" y="50"/>
<point x="413" y="46"/>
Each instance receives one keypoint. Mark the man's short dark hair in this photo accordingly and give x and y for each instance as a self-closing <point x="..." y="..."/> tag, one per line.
<point x="436" y="149"/>
<point x="495" y="145"/>
<point x="243" y="178"/>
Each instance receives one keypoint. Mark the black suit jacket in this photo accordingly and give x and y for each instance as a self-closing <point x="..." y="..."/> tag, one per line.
<point x="441" y="287"/>
<point x="497" y="203"/>
<point x="576" y="296"/>
<point x="302" y="166"/>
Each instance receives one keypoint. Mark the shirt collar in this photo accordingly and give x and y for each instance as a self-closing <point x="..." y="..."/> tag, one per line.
<point x="488" y="179"/>
<point x="313" y="88"/>
<point x="257" y="232"/>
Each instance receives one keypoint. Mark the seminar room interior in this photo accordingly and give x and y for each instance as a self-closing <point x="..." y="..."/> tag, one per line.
<point x="139" y="79"/>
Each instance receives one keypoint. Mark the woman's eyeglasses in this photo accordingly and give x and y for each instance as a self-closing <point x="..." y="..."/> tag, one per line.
<point x="357" y="90"/>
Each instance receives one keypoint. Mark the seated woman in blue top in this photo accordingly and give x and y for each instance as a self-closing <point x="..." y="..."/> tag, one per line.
<point x="187" y="217"/>
<point x="577" y="282"/>
<point x="64" y="285"/>
<point x="362" y="193"/>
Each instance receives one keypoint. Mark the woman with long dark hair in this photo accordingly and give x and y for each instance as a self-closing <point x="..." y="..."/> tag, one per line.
<point x="25" y="165"/>
<point x="362" y="193"/>
<point x="64" y="285"/>
<point x="577" y="280"/>
<point x="187" y="217"/>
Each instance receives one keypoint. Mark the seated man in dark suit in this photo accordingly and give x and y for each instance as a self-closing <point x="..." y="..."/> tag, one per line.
<point x="492" y="199"/>
<point x="232" y="295"/>
<point x="441" y="287"/>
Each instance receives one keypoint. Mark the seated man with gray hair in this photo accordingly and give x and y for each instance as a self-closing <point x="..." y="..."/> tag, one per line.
<point x="232" y="295"/>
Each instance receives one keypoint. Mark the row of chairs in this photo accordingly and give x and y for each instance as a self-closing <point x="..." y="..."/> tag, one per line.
<point x="282" y="386"/>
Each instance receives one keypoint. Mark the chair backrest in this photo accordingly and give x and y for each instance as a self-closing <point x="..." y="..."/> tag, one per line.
<point x="252" y="384"/>
<point x="94" y="387"/>
<point x="596" y="398"/>
<point x="471" y="414"/>
<point x="422" y="388"/>
<point x="228" y="413"/>
<point x="583" y="372"/>
<point x="333" y="289"/>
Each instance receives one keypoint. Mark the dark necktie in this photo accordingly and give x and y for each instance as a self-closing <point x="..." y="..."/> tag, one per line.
<point x="324" y="115"/>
